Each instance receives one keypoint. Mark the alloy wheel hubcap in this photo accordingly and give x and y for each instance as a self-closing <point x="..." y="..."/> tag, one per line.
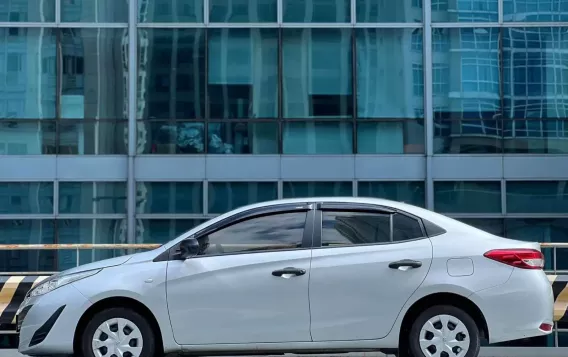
<point x="444" y="336"/>
<point x="117" y="338"/>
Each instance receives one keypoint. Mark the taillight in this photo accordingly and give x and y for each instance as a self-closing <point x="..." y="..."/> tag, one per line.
<point x="520" y="258"/>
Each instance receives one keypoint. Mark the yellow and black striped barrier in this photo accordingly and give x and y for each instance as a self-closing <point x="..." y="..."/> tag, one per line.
<point x="560" y="289"/>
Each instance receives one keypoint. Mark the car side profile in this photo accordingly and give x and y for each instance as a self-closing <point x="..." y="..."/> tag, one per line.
<point x="312" y="275"/>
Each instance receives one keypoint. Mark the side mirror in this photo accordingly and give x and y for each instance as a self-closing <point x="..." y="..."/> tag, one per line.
<point x="188" y="248"/>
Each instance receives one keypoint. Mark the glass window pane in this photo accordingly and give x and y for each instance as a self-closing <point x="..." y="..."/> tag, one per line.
<point x="92" y="197"/>
<point x="409" y="192"/>
<point x="493" y="226"/>
<point x="94" y="78"/>
<point x="27" y="11"/>
<point x="27" y="137"/>
<point x="171" y="73"/>
<point x="316" y="10"/>
<point x="170" y="137"/>
<point x="537" y="197"/>
<point x="535" y="10"/>
<point x="465" y="11"/>
<point x="384" y="87"/>
<point x="170" y="11"/>
<point x="226" y="196"/>
<point x="324" y="138"/>
<point x="242" y="11"/>
<point x="169" y="197"/>
<point x="391" y="137"/>
<point x="243" y="73"/>
<point x="317" y="73"/>
<point x="93" y="137"/>
<point x="354" y="228"/>
<point x="26" y="198"/>
<point x="29" y="55"/>
<point x="405" y="228"/>
<point x="242" y="138"/>
<point x="94" y="11"/>
<point x="160" y="231"/>
<point x="317" y="189"/>
<point x="467" y="197"/>
<point x="26" y="231"/>
<point x="389" y="10"/>
<point x="535" y="77"/>
<point x="535" y="136"/>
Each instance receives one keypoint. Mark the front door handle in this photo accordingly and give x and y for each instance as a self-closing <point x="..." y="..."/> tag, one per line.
<point x="405" y="263"/>
<point x="289" y="272"/>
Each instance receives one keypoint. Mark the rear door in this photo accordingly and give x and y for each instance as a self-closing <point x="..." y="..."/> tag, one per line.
<point x="366" y="263"/>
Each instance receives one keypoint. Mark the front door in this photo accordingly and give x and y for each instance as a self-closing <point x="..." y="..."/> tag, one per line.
<point x="248" y="285"/>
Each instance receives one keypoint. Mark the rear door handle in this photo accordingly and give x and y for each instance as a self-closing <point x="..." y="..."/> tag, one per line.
<point x="405" y="263"/>
<point x="289" y="272"/>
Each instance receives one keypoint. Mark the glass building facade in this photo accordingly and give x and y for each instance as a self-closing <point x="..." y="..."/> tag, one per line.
<point x="133" y="121"/>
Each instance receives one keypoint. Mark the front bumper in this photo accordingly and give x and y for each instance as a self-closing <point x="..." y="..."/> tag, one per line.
<point x="47" y="323"/>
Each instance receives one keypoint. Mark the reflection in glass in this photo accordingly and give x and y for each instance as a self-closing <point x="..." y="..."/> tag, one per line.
<point x="316" y="10"/>
<point x="27" y="11"/>
<point x="354" y="228"/>
<point x="93" y="67"/>
<point x="411" y="192"/>
<point x="467" y="197"/>
<point x="243" y="73"/>
<point x="27" y="74"/>
<point x="94" y="10"/>
<point x="26" y="198"/>
<point x="171" y="137"/>
<point x="389" y="11"/>
<point x="391" y="137"/>
<point x="242" y="138"/>
<point x="242" y="11"/>
<point x="535" y="10"/>
<point x="92" y="137"/>
<point x="160" y="231"/>
<point x="225" y="196"/>
<point x="465" y="11"/>
<point x="384" y="87"/>
<point x="467" y="136"/>
<point x="170" y="11"/>
<point x="494" y="226"/>
<point x="92" y="197"/>
<point x="26" y="231"/>
<point x="323" y="138"/>
<point x="169" y="197"/>
<point x="171" y="73"/>
<point x="26" y="137"/>
<point x="536" y="136"/>
<point x="537" y="196"/>
<point x="317" y="189"/>
<point x="317" y="73"/>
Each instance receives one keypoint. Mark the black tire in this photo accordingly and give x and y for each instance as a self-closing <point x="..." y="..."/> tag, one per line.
<point x="466" y="319"/>
<point x="148" y="338"/>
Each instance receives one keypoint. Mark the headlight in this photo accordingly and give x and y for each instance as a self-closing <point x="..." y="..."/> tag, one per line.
<point x="58" y="281"/>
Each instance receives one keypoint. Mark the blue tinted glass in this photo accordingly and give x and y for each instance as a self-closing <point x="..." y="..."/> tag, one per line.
<point x="242" y="11"/>
<point x="535" y="10"/>
<point x="27" y="10"/>
<point x="21" y="143"/>
<point x="533" y="58"/>
<point x="394" y="137"/>
<point x="169" y="197"/>
<point x="317" y="73"/>
<point x="465" y="10"/>
<point x="29" y="62"/>
<point x="92" y="197"/>
<point x="467" y="197"/>
<point x="324" y="138"/>
<point x="242" y="138"/>
<point x="384" y="88"/>
<point x="537" y="197"/>
<point x="409" y="192"/>
<point x="26" y="198"/>
<point x="171" y="137"/>
<point x="170" y="11"/>
<point x="25" y="231"/>
<point x="173" y="76"/>
<point x="316" y="10"/>
<point x="225" y="196"/>
<point x="160" y="231"/>
<point x="243" y="73"/>
<point x="95" y="137"/>
<point x="389" y="11"/>
<point x="317" y="189"/>
<point x="94" y="11"/>
<point x="536" y="136"/>
<point x="493" y="226"/>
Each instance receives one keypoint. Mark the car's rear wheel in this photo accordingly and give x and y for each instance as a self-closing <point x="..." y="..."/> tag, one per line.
<point x="118" y="332"/>
<point x="444" y="331"/>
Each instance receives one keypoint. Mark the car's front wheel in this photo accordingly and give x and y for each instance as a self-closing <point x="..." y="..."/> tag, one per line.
<point x="118" y="332"/>
<point x="444" y="331"/>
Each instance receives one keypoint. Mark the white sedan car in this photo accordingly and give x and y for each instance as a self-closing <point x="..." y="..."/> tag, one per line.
<point x="299" y="276"/>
